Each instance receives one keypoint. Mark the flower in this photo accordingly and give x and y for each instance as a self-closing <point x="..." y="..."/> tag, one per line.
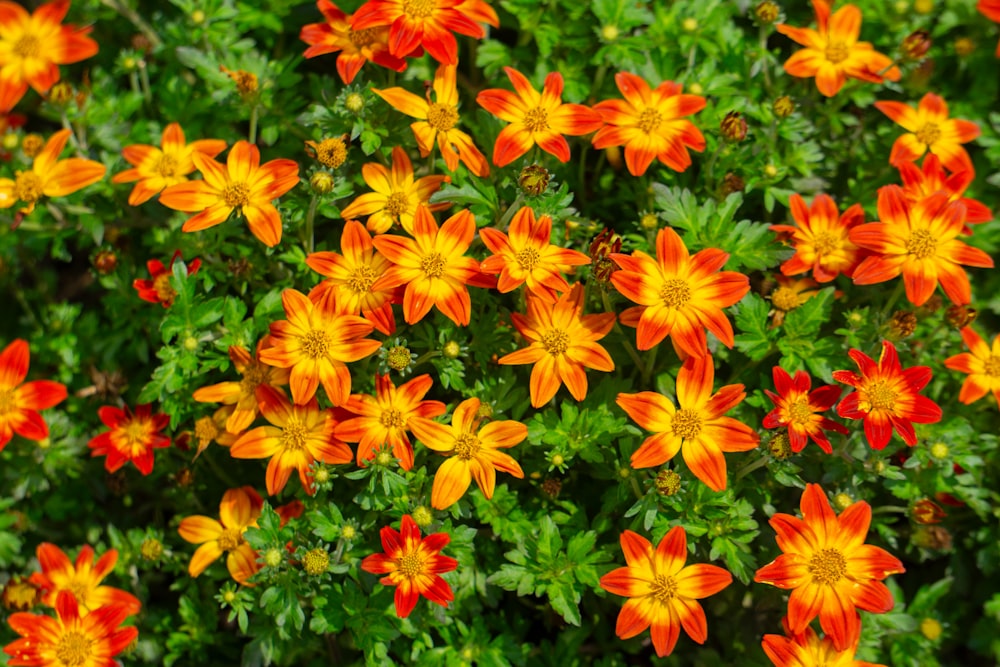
<point x="789" y="294"/>
<point x="981" y="363"/>
<point x="829" y="567"/>
<point x="562" y="342"/>
<point x="808" y="650"/>
<point x="81" y="578"/>
<point x="92" y="640"/>
<point x="49" y="176"/>
<point x="920" y="241"/>
<point x="158" y="288"/>
<point x="886" y="396"/>
<point x="20" y="403"/>
<point x="243" y="185"/>
<point x="535" y="119"/>
<point x="929" y="129"/>
<point x="663" y="592"/>
<point x="437" y="120"/>
<point x="821" y="238"/>
<point x="414" y="565"/>
<point x="32" y="46"/>
<point x="650" y="124"/>
<point x="383" y="418"/>
<point x="679" y="295"/>
<point x="133" y="437"/>
<point x="299" y="436"/>
<point x="919" y="183"/>
<point x="799" y="409"/>
<point x="527" y="256"/>
<point x="356" y="47"/>
<point x="696" y="427"/>
<point x="397" y="195"/>
<point x="833" y="52"/>
<point x="419" y="23"/>
<point x="472" y="451"/>
<point x="238" y="510"/>
<point x="157" y="168"/>
<point x="991" y="10"/>
<point x="331" y="152"/>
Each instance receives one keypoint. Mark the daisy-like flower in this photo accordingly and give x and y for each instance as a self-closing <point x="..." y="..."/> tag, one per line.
<point x="157" y="288"/>
<point x="382" y="419"/>
<point x="242" y="395"/>
<point x="930" y="177"/>
<point x="437" y="120"/>
<point x="356" y="47"/>
<point x="991" y="10"/>
<point x="419" y="23"/>
<point x="886" y="396"/>
<point x="49" y="176"/>
<point x="821" y="238"/>
<point x="833" y="53"/>
<point x="696" y="427"/>
<point x="396" y="196"/>
<point x="239" y="510"/>
<point x="930" y="129"/>
<point x="562" y="343"/>
<point x="808" y="650"/>
<point x="81" y="578"/>
<point x="829" y="567"/>
<point x="535" y="119"/>
<point x="790" y="293"/>
<point x="413" y="565"/>
<point x="91" y="640"/>
<point x="316" y="342"/>
<point x="20" y="401"/>
<point x="679" y="295"/>
<point x="243" y="185"/>
<point x="132" y="437"/>
<point x="801" y="410"/>
<point x="473" y="452"/>
<point x="663" y="592"/>
<point x="650" y="124"/>
<point x="32" y="46"/>
<point x="526" y="256"/>
<point x="157" y="168"/>
<point x="981" y="363"/>
<point x="920" y="241"/>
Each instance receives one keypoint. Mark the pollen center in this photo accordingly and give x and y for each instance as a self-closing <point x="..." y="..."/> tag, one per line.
<point x="419" y="8"/>
<point x="555" y="341"/>
<point x="73" y="649"/>
<point x="442" y="117"/>
<point x="165" y="292"/>
<point x="391" y="418"/>
<point x="293" y="437"/>
<point x="8" y="402"/>
<point x="79" y="589"/>
<point x="991" y="367"/>
<point x="136" y="434"/>
<point x="800" y="412"/>
<point x="921" y="244"/>
<point x="331" y="152"/>
<point x="836" y="52"/>
<point x="362" y="38"/>
<point x="536" y="120"/>
<point x="433" y="265"/>
<point x="825" y="243"/>
<point x="528" y="258"/>
<point x="316" y="344"/>
<point x="785" y="298"/>
<point x="361" y="280"/>
<point x="166" y="166"/>
<point x="254" y="375"/>
<point x="828" y="566"/>
<point x="230" y="539"/>
<point x="27" y="186"/>
<point x="411" y="565"/>
<point x="928" y="134"/>
<point x="27" y="46"/>
<point x="396" y="204"/>
<point x="664" y="588"/>
<point x="236" y="194"/>
<point x="687" y="423"/>
<point x="649" y="120"/>
<point x="467" y="446"/>
<point x="879" y="396"/>
<point x="675" y="292"/>
<point x="205" y="430"/>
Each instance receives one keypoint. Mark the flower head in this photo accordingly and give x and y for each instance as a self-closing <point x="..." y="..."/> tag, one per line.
<point x="789" y="294"/>
<point x="356" y="47"/>
<point x="821" y="238"/>
<point x="419" y="23"/>
<point x="808" y="650"/>
<point x="132" y="437"/>
<point x="20" y="401"/>
<point x="81" y="578"/>
<point x="921" y="182"/>
<point x="157" y="289"/>
<point x="239" y="509"/>
<point x="801" y="410"/>
<point x="49" y="176"/>
<point x="930" y="129"/>
<point x="981" y="363"/>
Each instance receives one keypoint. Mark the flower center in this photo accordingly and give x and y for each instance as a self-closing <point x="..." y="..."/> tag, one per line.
<point x="921" y="244"/>
<point x="73" y="649"/>
<point x="555" y="341"/>
<point x="991" y="367"/>
<point x="419" y="8"/>
<point x="165" y="292"/>
<point x="411" y="565"/>
<point x="396" y="204"/>
<point x="536" y="120"/>
<point x="879" y="396"/>
<point x="467" y="446"/>
<point x="800" y="412"/>
<point x="442" y="117"/>
<point x="828" y="566"/>
<point x="836" y="52"/>
<point x="136" y="433"/>
<point x="687" y="423"/>
<point x="8" y="402"/>
<point x="331" y="153"/>
<point x="362" y="38"/>
<point x="825" y="243"/>
<point x="649" y="120"/>
<point x="361" y="280"/>
<point x="79" y="590"/>
<point x="391" y="418"/>
<point x="27" y="46"/>
<point x="675" y="292"/>
<point x="316" y="344"/>
<point x="205" y="430"/>
<point x="231" y="539"/>
<point x="293" y="437"/>
<point x="433" y="265"/>
<point x="236" y="195"/>
<point x="928" y="134"/>
<point x="528" y="258"/>
<point x="166" y="166"/>
<point x="785" y="298"/>
<point x="27" y="186"/>
<point x="664" y="588"/>
<point x="254" y="375"/>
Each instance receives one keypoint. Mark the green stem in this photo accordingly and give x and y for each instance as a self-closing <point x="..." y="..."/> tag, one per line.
<point x="310" y="216"/>
<point x="253" y="124"/>
<point x="426" y="356"/>
<point x="147" y="92"/>
<point x="891" y="303"/>
<point x="764" y="68"/>
<point x="750" y="467"/>
<point x="79" y="142"/>
<point x="636" y="489"/>
<point x="511" y="210"/>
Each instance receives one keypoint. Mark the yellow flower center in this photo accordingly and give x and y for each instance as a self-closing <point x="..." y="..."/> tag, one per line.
<point x="800" y="412"/>
<point x="928" y="134"/>
<point x="331" y="152"/>
<point x="8" y="402"/>
<point x="362" y="279"/>
<point x="675" y="292"/>
<point x="254" y="375"/>
<point x="136" y="433"/>
<point x="555" y="341"/>
<point x="165" y="292"/>
<point x="316" y="344"/>
<point x="991" y="367"/>
<point x="433" y="265"/>
<point x="878" y="396"/>
<point x="536" y="120"/>
<point x="687" y="423"/>
<point x="419" y="8"/>
<point x="649" y="120"/>
<point x="27" y="46"/>
<point x="528" y="258"/>
<point x="231" y="539"/>
<point x="79" y="589"/>
<point x="396" y="204"/>
<point x="828" y="566"/>
<point x="362" y="38"/>
<point x="467" y="446"/>
<point x="205" y="430"/>
<point x="410" y="565"/>
<point x="293" y="436"/>
<point x="785" y="298"/>
<point x="391" y="418"/>
<point x="236" y="195"/>
<point x="166" y="166"/>
<point x="74" y="648"/>
<point x="825" y="243"/>
<point x="836" y="52"/>
<point x="664" y="588"/>
<point x="442" y="117"/>
<point x="921" y="244"/>
<point x="27" y="186"/>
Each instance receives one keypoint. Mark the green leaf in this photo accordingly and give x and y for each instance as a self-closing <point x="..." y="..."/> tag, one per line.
<point x="756" y="338"/>
<point x="565" y="600"/>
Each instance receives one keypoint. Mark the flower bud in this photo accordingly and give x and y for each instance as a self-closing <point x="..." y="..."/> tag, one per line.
<point x="732" y="183"/>
<point x="19" y="594"/>
<point x="939" y="450"/>
<point x="273" y="557"/>
<point x="780" y="446"/>
<point x="931" y="629"/>
<point x="667" y="482"/>
<point x="534" y="180"/>
<point x="151" y="549"/>
<point x="926" y="511"/>
<point x="960" y="316"/>
<point x="842" y="501"/>
<point x="321" y="183"/>
<point x="348" y="532"/>
<point x="315" y="562"/>
<point x="422" y="516"/>
<point x="603" y="245"/>
<point x="557" y="460"/>
<point x="689" y="24"/>
<point x="32" y="144"/>
<point x="551" y="487"/>
<point x="398" y="358"/>
<point x="902" y="324"/>
<point x="354" y="102"/>
<point x="964" y="47"/>
<point x="783" y="107"/>
<point x="649" y="221"/>
<point x="915" y="45"/>
<point x="106" y="261"/>
<point x="331" y="152"/>
<point x="246" y="82"/>
<point x="733" y="127"/>
<point x="766" y="12"/>
<point x="61" y="94"/>
<point x="932" y="537"/>
<point x="451" y="350"/>
<point x="609" y="33"/>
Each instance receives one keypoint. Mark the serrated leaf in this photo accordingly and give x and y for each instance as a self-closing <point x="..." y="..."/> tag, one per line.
<point x="565" y="600"/>
<point x="755" y="338"/>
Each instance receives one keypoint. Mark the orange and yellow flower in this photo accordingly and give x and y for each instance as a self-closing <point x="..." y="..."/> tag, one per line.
<point x="157" y="288"/>
<point x="473" y="452"/>
<point x="886" y="396"/>
<point x="801" y="410"/>
<point x="808" y="650"/>
<point x="243" y="185"/>
<point x="20" y="401"/>
<point x="239" y="510"/>
<point x="421" y="23"/>
<point x="991" y="10"/>
<point x="696" y="427"/>
<point x="663" y="591"/>
<point x="49" y="176"/>
<point x="81" y="578"/>
<point x="414" y="565"/>
<point x="132" y="437"/>
<point x="930" y="129"/>
<point x="829" y="568"/>
<point x="650" y="124"/>
<point x="981" y="363"/>
<point x="356" y="47"/>
<point x="833" y="53"/>
<point x="535" y="119"/>
<point x="789" y="294"/>
<point x="921" y="182"/>
<point x="821" y="238"/>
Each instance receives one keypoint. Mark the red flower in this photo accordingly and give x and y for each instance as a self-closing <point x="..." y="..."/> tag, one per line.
<point x="919" y="183"/>
<point x="799" y="409"/>
<point x="19" y="405"/>
<point x="356" y="47"/>
<point x="424" y="23"/>
<point x="158" y="289"/>
<point x="82" y="578"/>
<point x="133" y="437"/>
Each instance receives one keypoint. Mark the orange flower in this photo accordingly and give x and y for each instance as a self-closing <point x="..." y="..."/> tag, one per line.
<point x="886" y="396"/>
<point x="527" y="256"/>
<point x="535" y="119"/>
<point x="920" y="241"/>
<point x="696" y="427"/>
<point x="242" y="395"/>
<point x="663" y="592"/>
<point x="383" y="418"/>
<point x="833" y="52"/>
<point x="919" y="183"/>
<point x="240" y="509"/>
<point x="472" y="452"/>
<point x="32" y="46"/>
<point x="821" y="238"/>
<point x="243" y="185"/>
<point x="650" y="124"/>
<point x="397" y="195"/>
<point x="808" y="650"/>
<point x="437" y="120"/>
<point x="829" y="568"/>
<point x="157" y="168"/>
<point x="133" y="437"/>
<point x="679" y="295"/>
<point x="424" y="23"/>
<point x="82" y="579"/>
<point x="20" y="403"/>
<point x="800" y="409"/>
<point x="563" y="341"/>
<point x="991" y="10"/>
<point x="158" y="288"/>
<point x="930" y="129"/>
<point x="789" y="294"/>
<point x="316" y="342"/>
<point x="49" y="176"/>
<point x="356" y="47"/>
<point x="92" y="640"/>
<point x="413" y="565"/>
<point x="479" y="11"/>
<point x="981" y="363"/>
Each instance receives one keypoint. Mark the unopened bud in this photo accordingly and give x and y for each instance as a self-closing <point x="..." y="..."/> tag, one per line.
<point x="926" y="512"/>
<point x="105" y="262"/>
<point x="842" y="501"/>
<point x="551" y="487"/>
<point x="451" y="350"/>
<point x="939" y="450"/>
<point x="61" y="94"/>
<point x="609" y="33"/>
<point x="315" y="562"/>
<point x="422" y="516"/>
<point x="961" y="316"/>
<point x="32" y="144"/>
<point x="766" y="12"/>
<point x="321" y="183"/>
<point x="667" y="482"/>
<point x="649" y="221"/>
<point x="783" y="107"/>
<point x="534" y="180"/>
<point x="931" y="629"/>
<point x="331" y="152"/>
<point x="348" y="532"/>
<point x="902" y="324"/>
<point x="273" y="557"/>
<point x="916" y="45"/>
<point x="733" y="127"/>
<point x="964" y="47"/>
<point x="780" y="447"/>
<point x="354" y="102"/>
<point x="151" y="549"/>
<point x="398" y="358"/>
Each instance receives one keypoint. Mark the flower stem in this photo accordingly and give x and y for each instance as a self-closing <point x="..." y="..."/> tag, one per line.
<point x="750" y="467"/>
<point x="511" y="210"/>
<point x="310" y="216"/>
<point x="253" y="124"/>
